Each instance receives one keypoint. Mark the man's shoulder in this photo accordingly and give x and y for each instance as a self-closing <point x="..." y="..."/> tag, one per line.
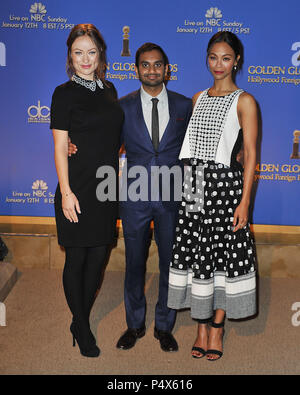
<point x="129" y="97"/>
<point x="179" y="96"/>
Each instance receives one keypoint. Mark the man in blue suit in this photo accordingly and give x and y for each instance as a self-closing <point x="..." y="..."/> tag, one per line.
<point x="153" y="133"/>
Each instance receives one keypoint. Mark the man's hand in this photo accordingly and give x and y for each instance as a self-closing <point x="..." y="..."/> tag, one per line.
<point x="72" y="149"/>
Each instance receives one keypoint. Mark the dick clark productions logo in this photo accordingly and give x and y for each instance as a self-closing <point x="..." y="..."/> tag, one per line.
<point x="38" y="114"/>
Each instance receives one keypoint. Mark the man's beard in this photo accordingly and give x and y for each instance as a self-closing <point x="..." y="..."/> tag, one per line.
<point x="148" y="82"/>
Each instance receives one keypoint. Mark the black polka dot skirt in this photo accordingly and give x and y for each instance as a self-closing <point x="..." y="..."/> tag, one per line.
<point x="212" y="266"/>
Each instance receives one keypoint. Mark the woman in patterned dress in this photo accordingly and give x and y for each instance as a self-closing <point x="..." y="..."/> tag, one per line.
<point x="213" y="267"/>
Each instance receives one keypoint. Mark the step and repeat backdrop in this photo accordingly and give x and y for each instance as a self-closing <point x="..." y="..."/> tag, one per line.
<point x="32" y="63"/>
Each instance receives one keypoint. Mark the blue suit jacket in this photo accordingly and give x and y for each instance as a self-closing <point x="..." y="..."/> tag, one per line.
<point x="139" y="148"/>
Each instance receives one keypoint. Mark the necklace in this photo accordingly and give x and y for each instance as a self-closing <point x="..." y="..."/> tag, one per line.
<point x="88" y="84"/>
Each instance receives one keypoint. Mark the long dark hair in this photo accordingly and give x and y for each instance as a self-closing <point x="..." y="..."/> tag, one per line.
<point x="90" y="30"/>
<point x="234" y="42"/>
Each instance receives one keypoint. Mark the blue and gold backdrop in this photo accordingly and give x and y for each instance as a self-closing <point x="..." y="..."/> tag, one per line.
<point x="32" y="63"/>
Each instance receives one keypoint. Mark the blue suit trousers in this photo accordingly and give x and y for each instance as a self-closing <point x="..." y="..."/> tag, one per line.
<point x="136" y="223"/>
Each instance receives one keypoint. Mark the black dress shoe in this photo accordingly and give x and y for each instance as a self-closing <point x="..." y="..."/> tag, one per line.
<point x="166" y="339"/>
<point x="129" y="338"/>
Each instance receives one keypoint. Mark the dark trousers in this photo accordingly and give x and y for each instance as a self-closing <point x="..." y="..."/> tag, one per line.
<point x="136" y="226"/>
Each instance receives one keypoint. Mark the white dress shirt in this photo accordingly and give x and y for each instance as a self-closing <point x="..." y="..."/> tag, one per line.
<point x="162" y="107"/>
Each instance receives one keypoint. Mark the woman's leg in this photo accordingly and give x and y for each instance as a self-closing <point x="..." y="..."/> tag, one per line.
<point x="215" y="340"/>
<point x="200" y="345"/>
<point x="73" y="281"/>
<point x="93" y="268"/>
<point x="80" y="280"/>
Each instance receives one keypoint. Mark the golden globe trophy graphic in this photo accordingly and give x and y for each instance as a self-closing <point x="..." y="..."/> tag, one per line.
<point x="296" y="153"/>
<point x="125" y="50"/>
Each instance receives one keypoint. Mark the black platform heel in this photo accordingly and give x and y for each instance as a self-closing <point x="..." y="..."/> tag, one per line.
<point x="87" y="350"/>
<point x="213" y="351"/>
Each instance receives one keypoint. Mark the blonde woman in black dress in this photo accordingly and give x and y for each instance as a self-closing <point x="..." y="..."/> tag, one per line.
<point x="84" y="109"/>
<point x="213" y="269"/>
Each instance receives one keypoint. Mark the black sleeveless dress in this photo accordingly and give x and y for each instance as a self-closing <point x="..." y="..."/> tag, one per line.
<point x="93" y="120"/>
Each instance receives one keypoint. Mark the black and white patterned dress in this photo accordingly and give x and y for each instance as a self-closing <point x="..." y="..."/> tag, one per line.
<point x="212" y="267"/>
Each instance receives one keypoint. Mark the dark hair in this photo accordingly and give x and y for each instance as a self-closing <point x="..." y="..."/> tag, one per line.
<point x="233" y="41"/>
<point x="147" y="47"/>
<point x="89" y="30"/>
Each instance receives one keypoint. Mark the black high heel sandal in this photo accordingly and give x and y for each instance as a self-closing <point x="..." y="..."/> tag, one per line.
<point x="213" y="351"/>
<point x="200" y="349"/>
<point x="91" y="350"/>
